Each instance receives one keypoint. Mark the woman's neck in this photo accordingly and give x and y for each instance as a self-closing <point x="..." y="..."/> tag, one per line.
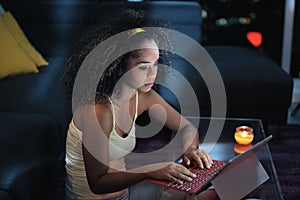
<point x="124" y="96"/>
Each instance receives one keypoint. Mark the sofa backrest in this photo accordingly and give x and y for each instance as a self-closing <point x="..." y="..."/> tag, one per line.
<point x="184" y="16"/>
<point x="54" y="26"/>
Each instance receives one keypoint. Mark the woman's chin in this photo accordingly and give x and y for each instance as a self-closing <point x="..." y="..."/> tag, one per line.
<point x="145" y="88"/>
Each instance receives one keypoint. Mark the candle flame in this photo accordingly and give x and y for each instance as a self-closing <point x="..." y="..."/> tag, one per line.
<point x="244" y="134"/>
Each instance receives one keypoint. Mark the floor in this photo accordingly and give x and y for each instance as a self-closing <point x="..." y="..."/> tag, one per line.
<point x="295" y="119"/>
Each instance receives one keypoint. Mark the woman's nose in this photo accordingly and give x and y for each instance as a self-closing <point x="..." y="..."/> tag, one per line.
<point x="152" y="71"/>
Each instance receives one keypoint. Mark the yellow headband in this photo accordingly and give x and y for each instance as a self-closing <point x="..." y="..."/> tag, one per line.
<point x="135" y="31"/>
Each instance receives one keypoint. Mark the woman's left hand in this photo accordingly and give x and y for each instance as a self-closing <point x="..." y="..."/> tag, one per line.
<point x="201" y="157"/>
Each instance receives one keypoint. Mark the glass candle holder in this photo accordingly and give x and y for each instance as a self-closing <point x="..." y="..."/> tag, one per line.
<point x="241" y="148"/>
<point x="243" y="135"/>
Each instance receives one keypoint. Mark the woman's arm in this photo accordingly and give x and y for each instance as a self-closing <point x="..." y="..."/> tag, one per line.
<point x="170" y="118"/>
<point x="101" y="182"/>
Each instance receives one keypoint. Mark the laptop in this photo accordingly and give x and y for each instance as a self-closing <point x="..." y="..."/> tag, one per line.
<point x="206" y="176"/>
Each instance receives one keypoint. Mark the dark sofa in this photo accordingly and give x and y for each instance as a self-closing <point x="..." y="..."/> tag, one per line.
<point x="35" y="111"/>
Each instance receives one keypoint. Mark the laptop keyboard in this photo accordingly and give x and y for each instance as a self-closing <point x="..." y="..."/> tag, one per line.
<point x="202" y="176"/>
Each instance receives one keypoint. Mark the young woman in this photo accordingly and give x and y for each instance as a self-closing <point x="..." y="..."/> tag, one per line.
<point x="95" y="163"/>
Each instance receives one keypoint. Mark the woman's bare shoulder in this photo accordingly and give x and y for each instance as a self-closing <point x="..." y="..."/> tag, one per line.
<point x="85" y="115"/>
<point x="150" y="97"/>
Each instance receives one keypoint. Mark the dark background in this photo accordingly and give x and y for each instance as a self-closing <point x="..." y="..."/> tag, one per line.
<point x="242" y="16"/>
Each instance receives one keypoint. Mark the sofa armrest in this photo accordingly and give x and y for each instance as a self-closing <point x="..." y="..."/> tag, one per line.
<point x="28" y="154"/>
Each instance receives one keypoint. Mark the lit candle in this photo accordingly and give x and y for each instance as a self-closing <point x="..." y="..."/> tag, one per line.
<point x="243" y="135"/>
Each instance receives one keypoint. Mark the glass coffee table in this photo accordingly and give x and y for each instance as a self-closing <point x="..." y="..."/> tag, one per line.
<point x="222" y="146"/>
<point x="227" y="148"/>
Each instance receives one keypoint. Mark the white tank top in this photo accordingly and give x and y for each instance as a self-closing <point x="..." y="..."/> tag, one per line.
<point x="76" y="181"/>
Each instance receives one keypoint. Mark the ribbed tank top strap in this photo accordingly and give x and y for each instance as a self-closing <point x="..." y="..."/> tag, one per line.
<point x="136" y="108"/>
<point x="113" y="113"/>
<point x="136" y="104"/>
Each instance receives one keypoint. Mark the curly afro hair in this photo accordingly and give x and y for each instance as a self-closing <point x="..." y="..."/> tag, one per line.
<point x="126" y="20"/>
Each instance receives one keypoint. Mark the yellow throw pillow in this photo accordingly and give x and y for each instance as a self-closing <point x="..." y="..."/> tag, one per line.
<point x="17" y="33"/>
<point x="13" y="60"/>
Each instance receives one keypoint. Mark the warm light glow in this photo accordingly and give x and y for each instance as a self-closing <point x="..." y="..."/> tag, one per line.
<point x="243" y="135"/>
<point x="255" y="38"/>
<point x="239" y="148"/>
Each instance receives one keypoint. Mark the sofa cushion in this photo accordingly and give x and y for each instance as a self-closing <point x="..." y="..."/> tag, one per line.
<point x="17" y="33"/>
<point x="251" y="78"/>
<point x="13" y="59"/>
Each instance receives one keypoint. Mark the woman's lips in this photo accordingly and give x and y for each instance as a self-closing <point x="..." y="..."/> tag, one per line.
<point x="149" y="84"/>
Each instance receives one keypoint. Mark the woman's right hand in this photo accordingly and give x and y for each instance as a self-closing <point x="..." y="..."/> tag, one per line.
<point x="173" y="172"/>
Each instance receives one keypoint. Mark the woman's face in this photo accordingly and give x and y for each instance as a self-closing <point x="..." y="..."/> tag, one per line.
<point x="142" y="69"/>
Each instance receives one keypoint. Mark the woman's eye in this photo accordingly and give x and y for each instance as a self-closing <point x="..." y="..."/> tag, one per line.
<point x="143" y="67"/>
